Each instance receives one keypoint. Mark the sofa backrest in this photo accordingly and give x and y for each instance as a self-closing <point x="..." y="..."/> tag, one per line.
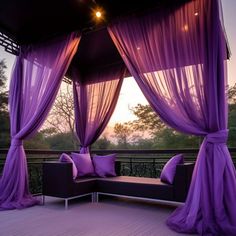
<point x="57" y="178"/>
<point x="182" y="181"/>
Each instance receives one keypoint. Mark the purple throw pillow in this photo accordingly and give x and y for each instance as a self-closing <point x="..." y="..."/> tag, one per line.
<point x="83" y="163"/>
<point x="168" y="172"/>
<point x="104" y="165"/>
<point x="66" y="158"/>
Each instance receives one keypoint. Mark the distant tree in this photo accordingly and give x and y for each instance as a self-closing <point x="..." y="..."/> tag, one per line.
<point x="169" y="138"/>
<point x="232" y="127"/>
<point x="147" y="119"/>
<point x="48" y="132"/>
<point x="61" y="119"/>
<point x="3" y="92"/>
<point x="143" y="143"/>
<point x="61" y="141"/>
<point x="162" y="136"/>
<point x="165" y="137"/>
<point x="4" y="115"/>
<point x="232" y="116"/>
<point x="122" y="132"/>
<point x="4" y="130"/>
<point x="37" y="142"/>
<point x="232" y="94"/>
<point x="102" y="143"/>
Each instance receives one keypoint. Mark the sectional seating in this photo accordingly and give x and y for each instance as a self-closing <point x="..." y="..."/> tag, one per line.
<point x="58" y="182"/>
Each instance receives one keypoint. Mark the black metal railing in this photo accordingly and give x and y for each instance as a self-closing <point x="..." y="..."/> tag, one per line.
<point x="145" y="163"/>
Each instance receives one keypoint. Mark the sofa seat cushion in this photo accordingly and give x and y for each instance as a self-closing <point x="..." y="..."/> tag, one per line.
<point x="136" y="187"/>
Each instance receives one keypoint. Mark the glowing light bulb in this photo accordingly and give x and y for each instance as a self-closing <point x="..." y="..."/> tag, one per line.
<point x="196" y="13"/>
<point x="98" y="14"/>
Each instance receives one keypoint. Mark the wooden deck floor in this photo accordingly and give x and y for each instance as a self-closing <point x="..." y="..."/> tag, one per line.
<point x="109" y="217"/>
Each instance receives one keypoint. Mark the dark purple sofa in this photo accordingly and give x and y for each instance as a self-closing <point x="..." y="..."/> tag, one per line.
<point x="58" y="182"/>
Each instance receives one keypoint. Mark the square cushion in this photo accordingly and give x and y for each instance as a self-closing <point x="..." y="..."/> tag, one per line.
<point x="104" y="166"/>
<point x="83" y="164"/>
<point x="168" y="172"/>
<point x="66" y="158"/>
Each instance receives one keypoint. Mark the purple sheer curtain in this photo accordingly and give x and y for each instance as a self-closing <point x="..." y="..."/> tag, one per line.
<point x="178" y="60"/>
<point x="94" y="102"/>
<point x="36" y="78"/>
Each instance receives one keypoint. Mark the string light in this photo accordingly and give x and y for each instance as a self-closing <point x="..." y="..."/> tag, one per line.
<point x="98" y="14"/>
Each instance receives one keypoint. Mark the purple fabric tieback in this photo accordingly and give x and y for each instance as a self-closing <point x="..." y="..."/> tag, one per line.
<point x="217" y="137"/>
<point x="84" y="150"/>
<point x="16" y="142"/>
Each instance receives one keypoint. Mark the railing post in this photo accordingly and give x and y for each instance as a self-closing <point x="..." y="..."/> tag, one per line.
<point x="66" y="204"/>
<point x="131" y="166"/>
<point x="154" y="168"/>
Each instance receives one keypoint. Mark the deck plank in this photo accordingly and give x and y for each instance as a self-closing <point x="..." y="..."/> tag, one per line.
<point x="109" y="217"/>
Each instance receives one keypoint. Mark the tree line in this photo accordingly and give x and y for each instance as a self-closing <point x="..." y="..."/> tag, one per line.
<point x="147" y="131"/>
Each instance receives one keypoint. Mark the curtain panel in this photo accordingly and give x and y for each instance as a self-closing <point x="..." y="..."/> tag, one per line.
<point x="94" y="102"/>
<point x="178" y="59"/>
<point x="36" y="78"/>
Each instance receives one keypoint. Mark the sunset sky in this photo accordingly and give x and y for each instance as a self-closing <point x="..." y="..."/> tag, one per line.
<point x="131" y="95"/>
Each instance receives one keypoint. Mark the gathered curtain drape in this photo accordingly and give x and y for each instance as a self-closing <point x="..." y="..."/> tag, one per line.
<point x="94" y="102"/>
<point x="37" y="75"/>
<point x="178" y="59"/>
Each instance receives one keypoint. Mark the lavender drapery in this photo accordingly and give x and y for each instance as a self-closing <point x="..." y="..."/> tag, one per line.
<point x="94" y="102"/>
<point x="177" y="58"/>
<point x="35" y="81"/>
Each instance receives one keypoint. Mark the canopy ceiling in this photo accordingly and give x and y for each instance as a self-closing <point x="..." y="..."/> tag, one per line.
<point x="96" y="50"/>
<point x="31" y="21"/>
<point x="27" y="21"/>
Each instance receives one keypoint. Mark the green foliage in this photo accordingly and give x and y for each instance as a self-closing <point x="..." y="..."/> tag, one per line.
<point x="4" y="130"/>
<point x="62" y="141"/>
<point x="143" y="143"/>
<point x="122" y="133"/>
<point x="102" y="144"/>
<point x="37" y="142"/>
<point x="3" y="92"/>
<point x="232" y="125"/>
<point x="48" y="132"/>
<point x="167" y="138"/>
<point x="4" y="116"/>
<point x="147" y="119"/>
<point x="3" y="77"/>
<point x="170" y="139"/>
<point x="162" y="137"/>
<point x="232" y="94"/>
<point x="232" y="116"/>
